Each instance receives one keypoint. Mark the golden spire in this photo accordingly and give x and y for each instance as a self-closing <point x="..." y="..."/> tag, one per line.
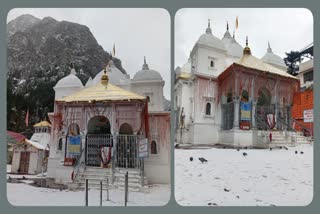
<point x="247" y="50"/>
<point x="105" y="78"/>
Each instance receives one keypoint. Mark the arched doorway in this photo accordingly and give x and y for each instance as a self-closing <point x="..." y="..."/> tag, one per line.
<point x="126" y="147"/>
<point x="98" y="139"/>
<point x="264" y="107"/>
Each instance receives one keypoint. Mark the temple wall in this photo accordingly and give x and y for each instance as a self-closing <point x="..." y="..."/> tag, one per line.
<point x="157" y="166"/>
<point x="152" y="89"/>
<point x="204" y="56"/>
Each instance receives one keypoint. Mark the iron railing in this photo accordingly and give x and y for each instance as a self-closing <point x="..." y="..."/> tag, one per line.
<point x="306" y="131"/>
<point x="261" y="125"/>
<point x="78" y="163"/>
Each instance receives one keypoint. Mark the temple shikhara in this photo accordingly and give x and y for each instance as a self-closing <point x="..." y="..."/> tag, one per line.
<point x="225" y="95"/>
<point x="112" y="125"/>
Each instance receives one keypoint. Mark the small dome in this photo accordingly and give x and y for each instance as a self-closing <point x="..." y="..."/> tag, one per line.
<point x="186" y="67"/>
<point x="146" y="74"/>
<point x="89" y="82"/>
<point x="69" y="81"/>
<point x="208" y="39"/>
<point x="116" y="77"/>
<point x="233" y="47"/>
<point x="273" y="59"/>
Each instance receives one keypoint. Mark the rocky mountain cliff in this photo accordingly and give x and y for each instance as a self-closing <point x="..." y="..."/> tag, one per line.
<point x="40" y="52"/>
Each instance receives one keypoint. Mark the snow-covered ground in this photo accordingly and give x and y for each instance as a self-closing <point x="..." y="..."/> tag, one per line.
<point x="262" y="178"/>
<point x="21" y="194"/>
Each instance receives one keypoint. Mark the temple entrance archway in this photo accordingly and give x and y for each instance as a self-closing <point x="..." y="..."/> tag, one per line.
<point x="126" y="147"/>
<point x="98" y="139"/>
<point x="264" y="107"/>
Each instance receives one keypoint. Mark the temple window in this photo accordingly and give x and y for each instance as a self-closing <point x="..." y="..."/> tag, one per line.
<point x="208" y="109"/>
<point x="308" y="76"/>
<point x="148" y="99"/>
<point x="154" y="149"/>
<point x="211" y="64"/>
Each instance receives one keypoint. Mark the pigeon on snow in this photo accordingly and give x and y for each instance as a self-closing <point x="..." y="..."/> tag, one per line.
<point x="203" y="160"/>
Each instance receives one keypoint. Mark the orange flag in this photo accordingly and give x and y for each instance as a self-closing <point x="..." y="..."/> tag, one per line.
<point x="237" y="23"/>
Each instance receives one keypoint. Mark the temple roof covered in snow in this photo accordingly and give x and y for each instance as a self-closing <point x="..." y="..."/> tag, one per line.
<point x="101" y="92"/>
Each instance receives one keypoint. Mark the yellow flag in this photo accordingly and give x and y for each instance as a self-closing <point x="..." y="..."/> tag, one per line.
<point x="237" y="23"/>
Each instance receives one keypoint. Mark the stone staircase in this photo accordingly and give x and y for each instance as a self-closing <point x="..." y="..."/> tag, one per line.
<point x="282" y="138"/>
<point x="97" y="174"/>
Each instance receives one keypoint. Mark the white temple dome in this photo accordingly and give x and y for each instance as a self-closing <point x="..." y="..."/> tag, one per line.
<point x="69" y="81"/>
<point x="273" y="59"/>
<point x="89" y="82"/>
<point x="186" y="67"/>
<point x="147" y="74"/>
<point x="209" y="40"/>
<point x="233" y="47"/>
<point x="116" y="77"/>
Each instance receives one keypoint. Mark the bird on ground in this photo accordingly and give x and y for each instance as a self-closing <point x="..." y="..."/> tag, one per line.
<point x="296" y="152"/>
<point x="238" y="149"/>
<point x="286" y="148"/>
<point x="203" y="160"/>
<point x="280" y="147"/>
<point x="176" y="146"/>
<point x="245" y="147"/>
<point x="301" y="152"/>
<point x="270" y="149"/>
<point x="244" y="154"/>
<point x="191" y="158"/>
<point x="226" y="190"/>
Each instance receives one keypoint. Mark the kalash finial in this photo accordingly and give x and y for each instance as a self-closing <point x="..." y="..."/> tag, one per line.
<point x="105" y="78"/>
<point x="247" y="50"/>
<point x="208" y="30"/>
<point x="145" y="66"/>
<point x="73" y="71"/>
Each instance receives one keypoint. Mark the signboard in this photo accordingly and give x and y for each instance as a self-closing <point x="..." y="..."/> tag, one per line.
<point x="143" y="148"/>
<point x="245" y="111"/>
<point x="74" y="146"/>
<point x="308" y="116"/>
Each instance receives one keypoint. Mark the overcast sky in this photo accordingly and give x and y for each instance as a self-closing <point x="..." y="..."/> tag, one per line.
<point x="135" y="32"/>
<point x="286" y="29"/>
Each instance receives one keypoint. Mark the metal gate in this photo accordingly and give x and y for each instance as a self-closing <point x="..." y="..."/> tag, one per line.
<point x="94" y="142"/>
<point x="261" y="113"/>
<point x="227" y="116"/>
<point x="127" y="151"/>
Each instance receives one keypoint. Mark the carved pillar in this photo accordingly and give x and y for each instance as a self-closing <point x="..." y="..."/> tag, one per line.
<point x="236" y="102"/>
<point x="253" y="113"/>
<point x="276" y="103"/>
